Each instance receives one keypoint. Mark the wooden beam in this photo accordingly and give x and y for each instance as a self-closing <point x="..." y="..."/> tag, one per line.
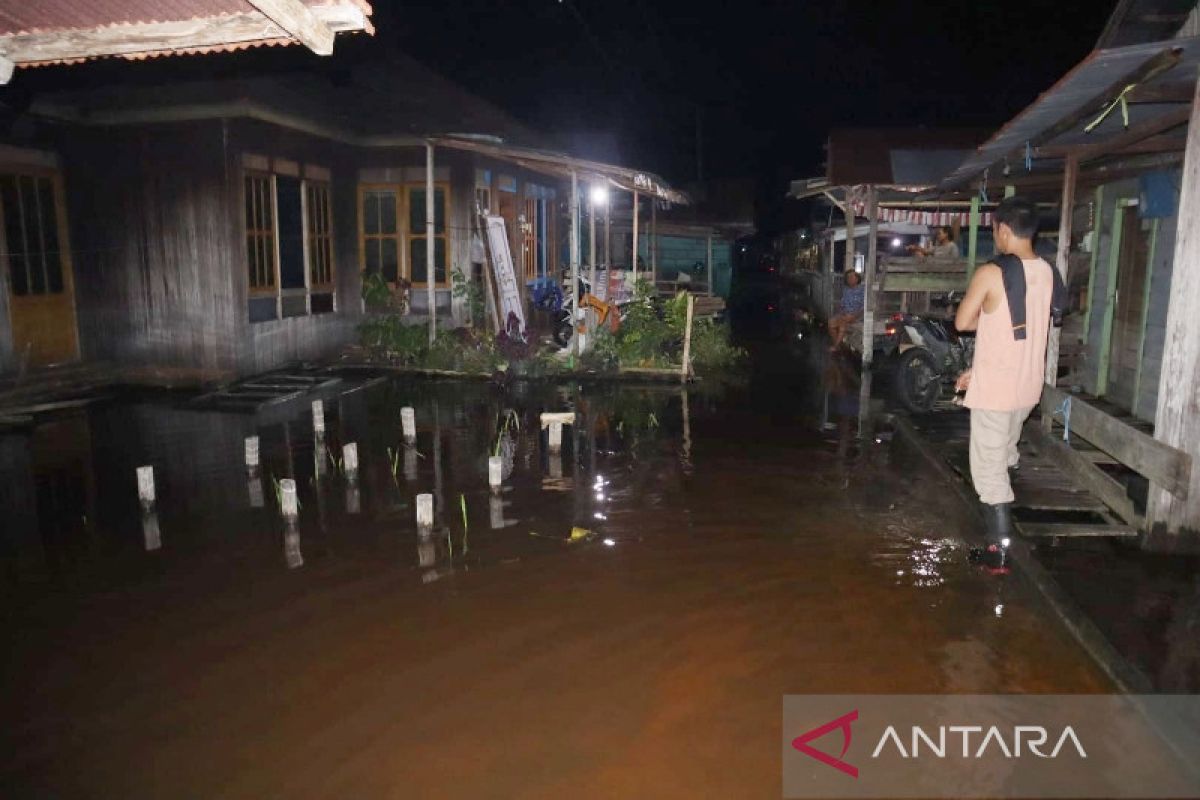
<point x="1161" y="93"/>
<point x="973" y="236"/>
<point x="1074" y="530"/>
<point x="1175" y="422"/>
<point x="925" y="282"/>
<point x="152" y="38"/>
<point x="868" y="278"/>
<point x="1118" y="143"/>
<point x="1163" y="465"/>
<point x="1097" y="227"/>
<point x="1070" y="176"/>
<point x="300" y="23"/>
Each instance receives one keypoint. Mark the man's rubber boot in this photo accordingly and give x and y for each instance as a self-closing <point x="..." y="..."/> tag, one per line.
<point x="997" y="520"/>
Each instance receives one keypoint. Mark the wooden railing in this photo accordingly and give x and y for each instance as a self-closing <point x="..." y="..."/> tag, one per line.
<point x="1166" y="467"/>
<point x="909" y="274"/>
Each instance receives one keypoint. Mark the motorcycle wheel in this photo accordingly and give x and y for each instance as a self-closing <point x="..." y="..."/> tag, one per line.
<point x="918" y="384"/>
<point x="562" y="333"/>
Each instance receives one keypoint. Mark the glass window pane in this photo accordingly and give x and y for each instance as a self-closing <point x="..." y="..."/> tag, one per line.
<point x="439" y="210"/>
<point x="33" y="235"/>
<point x="248" y="190"/>
<point x="416" y="211"/>
<point x="20" y="278"/>
<point x="267" y="208"/>
<point x="14" y="233"/>
<point x="370" y="213"/>
<point x="416" y="253"/>
<point x="54" y="274"/>
<point x="371" y="260"/>
<point x="252" y="259"/>
<point x="387" y="212"/>
<point x="439" y="259"/>
<point x="389" y="258"/>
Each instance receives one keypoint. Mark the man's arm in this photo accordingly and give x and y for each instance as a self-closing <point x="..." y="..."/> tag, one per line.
<point x="985" y="281"/>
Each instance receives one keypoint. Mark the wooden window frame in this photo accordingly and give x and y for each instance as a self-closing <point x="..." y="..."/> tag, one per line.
<point x="58" y="203"/>
<point x="271" y="269"/>
<point x="409" y="236"/>
<point x="398" y="236"/>
<point x="318" y="235"/>
<point x="403" y="236"/>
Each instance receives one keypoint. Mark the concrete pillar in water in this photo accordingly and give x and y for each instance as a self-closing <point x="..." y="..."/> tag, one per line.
<point x="145" y="484"/>
<point x="555" y="437"/>
<point x="289" y="504"/>
<point x="496" y="512"/>
<point x="320" y="457"/>
<point x="425" y="511"/>
<point x="426" y="551"/>
<point x="495" y="472"/>
<point x="410" y="463"/>
<point x="350" y="461"/>
<point x="151" y="536"/>
<point x="252" y="453"/>
<point x="555" y="421"/>
<point x="555" y="465"/>
<point x="318" y="418"/>
<point x="408" y="421"/>
<point x="255" y="488"/>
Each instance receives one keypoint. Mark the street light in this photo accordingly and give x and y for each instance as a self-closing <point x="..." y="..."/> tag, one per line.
<point x="599" y="195"/>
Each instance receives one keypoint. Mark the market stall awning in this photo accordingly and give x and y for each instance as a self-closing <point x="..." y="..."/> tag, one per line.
<point x="40" y="32"/>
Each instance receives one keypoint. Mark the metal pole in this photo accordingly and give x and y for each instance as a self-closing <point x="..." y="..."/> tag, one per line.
<point x="653" y="240"/>
<point x="429" y="242"/>
<point x="574" y="259"/>
<point x="634" y="257"/>
<point x="710" y="266"/>
<point x="608" y="233"/>
<point x="592" y="243"/>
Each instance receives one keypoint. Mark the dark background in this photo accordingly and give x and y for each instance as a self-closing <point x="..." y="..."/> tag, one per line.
<point x="762" y="81"/>
<point x="767" y="79"/>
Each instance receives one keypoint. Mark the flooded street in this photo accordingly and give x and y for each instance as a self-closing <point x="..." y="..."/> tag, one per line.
<point x="621" y="620"/>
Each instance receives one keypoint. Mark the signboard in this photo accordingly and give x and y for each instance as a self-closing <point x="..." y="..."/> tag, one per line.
<point x="507" y="290"/>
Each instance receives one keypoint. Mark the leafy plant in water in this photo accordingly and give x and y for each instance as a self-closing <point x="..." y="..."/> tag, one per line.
<point x="471" y="293"/>
<point x="375" y="290"/>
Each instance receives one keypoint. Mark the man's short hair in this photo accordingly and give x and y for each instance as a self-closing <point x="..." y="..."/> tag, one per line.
<point x="1020" y="214"/>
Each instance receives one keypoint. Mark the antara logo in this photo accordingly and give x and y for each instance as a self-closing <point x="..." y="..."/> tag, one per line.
<point x="801" y="743"/>
<point x="1022" y="739"/>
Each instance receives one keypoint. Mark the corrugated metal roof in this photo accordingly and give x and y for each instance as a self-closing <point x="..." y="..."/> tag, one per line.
<point x="1072" y="95"/>
<point x="47" y="32"/>
<point x="1141" y="21"/>
<point x="42" y="16"/>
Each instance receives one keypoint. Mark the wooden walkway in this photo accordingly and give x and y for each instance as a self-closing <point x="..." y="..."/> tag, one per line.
<point x="1049" y="502"/>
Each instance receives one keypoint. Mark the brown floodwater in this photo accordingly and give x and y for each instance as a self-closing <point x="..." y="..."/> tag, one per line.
<point x="744" y="543"/>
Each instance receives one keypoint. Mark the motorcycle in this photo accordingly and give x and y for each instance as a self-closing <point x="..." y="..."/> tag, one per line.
<point x="568" y="313"/>
<point x="929" y="353"/>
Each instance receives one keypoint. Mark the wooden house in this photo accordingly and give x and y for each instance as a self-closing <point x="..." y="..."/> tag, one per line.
<point x="223" y="226"/>
<point x="1114" y="145"/>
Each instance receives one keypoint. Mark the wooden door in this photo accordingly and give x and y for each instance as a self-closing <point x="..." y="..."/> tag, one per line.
<point x="37" y="268"/>
<point x="1129" y="303"/>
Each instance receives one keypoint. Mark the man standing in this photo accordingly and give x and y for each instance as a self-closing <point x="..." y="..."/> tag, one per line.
<point x="1005" y="380"/>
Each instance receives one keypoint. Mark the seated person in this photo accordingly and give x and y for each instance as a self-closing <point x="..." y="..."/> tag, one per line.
<point x="943" y="248"/>
<point x="850" y="309"/>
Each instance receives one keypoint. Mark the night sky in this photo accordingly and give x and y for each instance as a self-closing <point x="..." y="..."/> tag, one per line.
<point x="769" y="78"/>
